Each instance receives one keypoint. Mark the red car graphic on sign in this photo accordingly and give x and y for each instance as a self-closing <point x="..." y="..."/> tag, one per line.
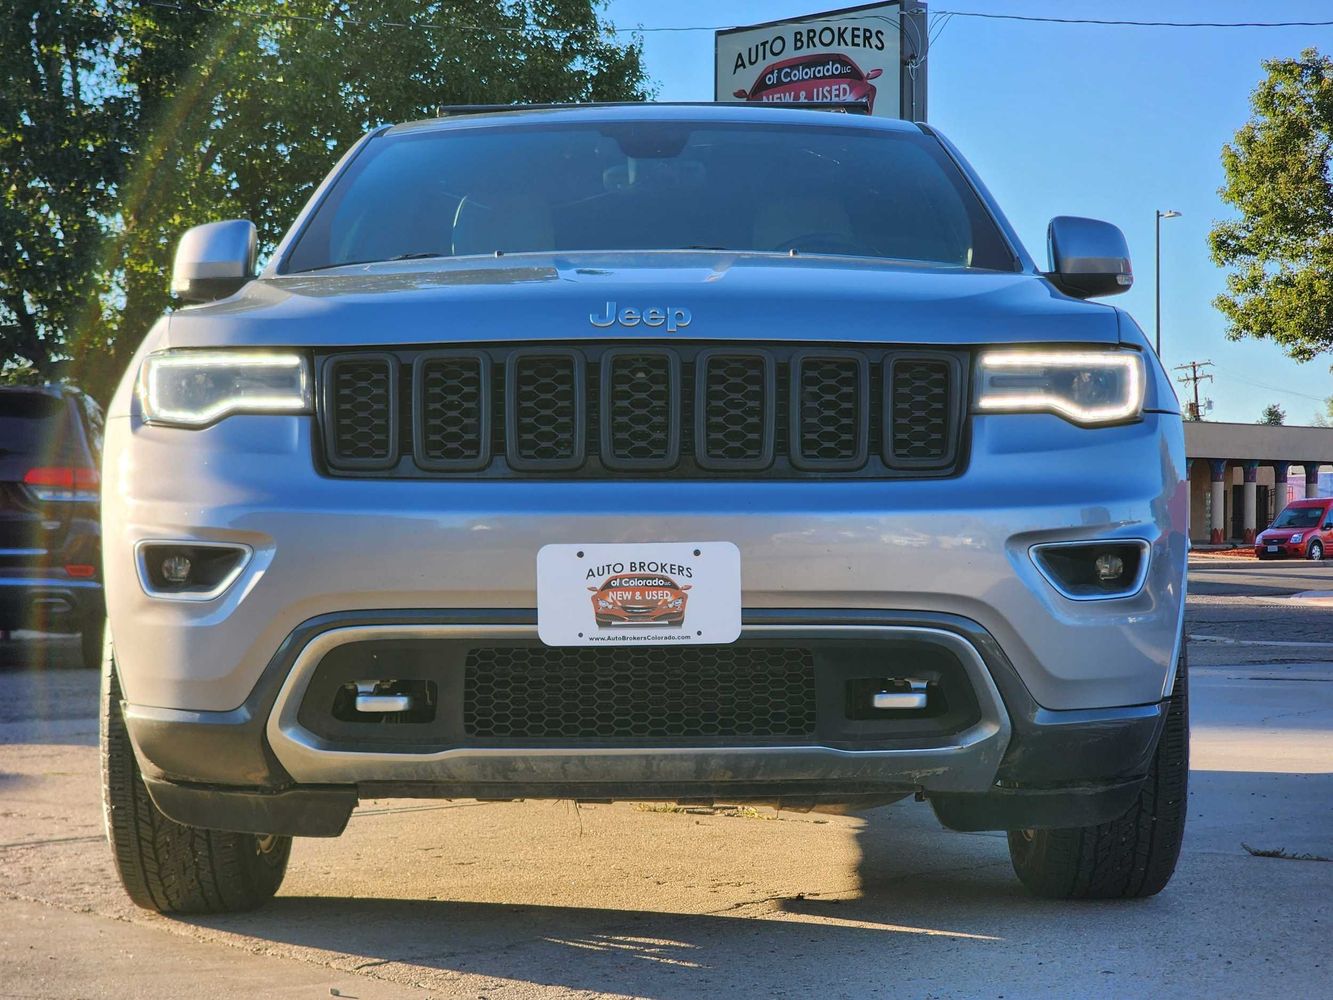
<point x="639" y="599"/>
<point x="829" y="77"/>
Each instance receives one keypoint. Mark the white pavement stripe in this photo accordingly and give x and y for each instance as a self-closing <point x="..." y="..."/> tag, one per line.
<point x="1196" y="637"/>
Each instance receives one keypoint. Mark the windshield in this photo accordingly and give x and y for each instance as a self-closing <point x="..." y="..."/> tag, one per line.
<point x="1298" y="517"/>
<point x="652" y="186"/>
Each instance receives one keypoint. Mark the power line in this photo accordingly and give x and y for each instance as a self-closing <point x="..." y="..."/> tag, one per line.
<point x="1270" y="388"/>
<point x="941" y="18"/>
<point x="1138" y="24"/>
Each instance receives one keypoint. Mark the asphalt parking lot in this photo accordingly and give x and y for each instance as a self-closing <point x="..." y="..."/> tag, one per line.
<point x="422" y="899"/>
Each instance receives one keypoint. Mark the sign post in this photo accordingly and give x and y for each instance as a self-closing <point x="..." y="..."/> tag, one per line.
<point x="874" y="55"/>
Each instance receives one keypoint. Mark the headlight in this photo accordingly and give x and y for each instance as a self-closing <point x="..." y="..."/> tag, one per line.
<point x="1298" y="537"/>
<point x="1087" y="387"/>
<point x="603" y="605"/>
<point x="197" y="388"/>
<point x="677" y="604"/>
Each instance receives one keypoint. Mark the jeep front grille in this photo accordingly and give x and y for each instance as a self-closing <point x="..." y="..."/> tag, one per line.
<point x="598" y="410"/>
<point x="360" y="394"/>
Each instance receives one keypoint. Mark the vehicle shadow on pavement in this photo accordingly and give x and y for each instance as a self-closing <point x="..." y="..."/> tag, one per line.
<point x="920" y="900"/>
<point x="648" y="953"/>
<point x="925" y="894"/>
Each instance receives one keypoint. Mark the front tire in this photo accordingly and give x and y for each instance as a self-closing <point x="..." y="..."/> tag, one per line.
<point x="1316" y="551"/>
<point x="167" y="866"/>
<point x="1130" y="857"/>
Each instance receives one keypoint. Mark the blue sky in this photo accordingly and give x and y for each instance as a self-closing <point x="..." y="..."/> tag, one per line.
<point x="1108" y="122"/>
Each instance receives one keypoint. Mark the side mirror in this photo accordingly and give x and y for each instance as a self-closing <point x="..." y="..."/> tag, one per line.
<point x="214" y="260"/>
<point x="1088" y="257"/>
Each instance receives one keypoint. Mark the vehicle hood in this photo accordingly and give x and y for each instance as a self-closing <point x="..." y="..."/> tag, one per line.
<point x="729" y="296"/>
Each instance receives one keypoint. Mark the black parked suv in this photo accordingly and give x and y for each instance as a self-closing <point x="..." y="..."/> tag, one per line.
<point x="50" y="536"/>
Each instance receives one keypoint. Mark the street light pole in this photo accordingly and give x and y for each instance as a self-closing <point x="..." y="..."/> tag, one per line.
<point x="1157" y="278"/>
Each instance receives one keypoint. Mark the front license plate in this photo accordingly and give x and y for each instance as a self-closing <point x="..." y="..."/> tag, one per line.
<point x="654" y="593"/>
<point x="1272" y="548"/>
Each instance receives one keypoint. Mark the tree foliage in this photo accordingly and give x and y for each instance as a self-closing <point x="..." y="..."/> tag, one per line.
<point x="62" y="150"/>
<point x="1273" y="415"/>
<point x="1280" y="251"/>
<point x="237" y="109"/>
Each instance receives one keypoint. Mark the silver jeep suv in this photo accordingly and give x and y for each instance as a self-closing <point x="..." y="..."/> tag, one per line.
<point x="706" y="453"/>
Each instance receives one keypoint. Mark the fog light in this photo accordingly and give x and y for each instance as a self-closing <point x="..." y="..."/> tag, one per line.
<point x="189" y="571"/>
<point x="176" y="569"/>
<point x="1093" y="571"/>
<point x="1109" y="567"/>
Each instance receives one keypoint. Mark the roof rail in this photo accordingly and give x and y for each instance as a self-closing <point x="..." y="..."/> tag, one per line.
<point x="845" y="107"/>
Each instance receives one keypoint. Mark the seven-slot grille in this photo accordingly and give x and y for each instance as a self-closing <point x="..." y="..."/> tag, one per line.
<point x="603" y="410"/>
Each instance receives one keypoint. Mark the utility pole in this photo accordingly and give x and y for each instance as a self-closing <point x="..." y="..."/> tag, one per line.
<point x="1195" y="378"/>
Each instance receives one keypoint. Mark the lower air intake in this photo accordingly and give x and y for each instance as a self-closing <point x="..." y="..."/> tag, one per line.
<point x="645" y="693"/>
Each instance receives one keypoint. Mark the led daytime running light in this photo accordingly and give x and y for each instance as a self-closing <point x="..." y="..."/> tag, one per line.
<point x="1130" y="365"/>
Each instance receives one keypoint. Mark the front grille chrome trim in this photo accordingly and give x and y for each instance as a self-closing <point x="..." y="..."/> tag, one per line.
<point x="968" y="762"/>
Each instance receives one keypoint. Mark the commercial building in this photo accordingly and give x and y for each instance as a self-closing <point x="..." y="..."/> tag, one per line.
<point x="1242" y="475"/>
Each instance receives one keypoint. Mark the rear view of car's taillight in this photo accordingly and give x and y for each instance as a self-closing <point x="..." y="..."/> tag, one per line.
<point x="63" y="484"/>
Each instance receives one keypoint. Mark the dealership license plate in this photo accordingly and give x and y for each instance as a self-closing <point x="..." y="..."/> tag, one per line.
<point x="640" y="593"/>
<point x="1272" y="548"/>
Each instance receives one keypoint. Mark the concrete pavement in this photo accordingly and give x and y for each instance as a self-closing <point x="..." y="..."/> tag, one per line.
<point x="423" y="899"/>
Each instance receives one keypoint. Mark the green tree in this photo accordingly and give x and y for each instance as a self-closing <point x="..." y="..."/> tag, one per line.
<point x="62" y="149"/>
<point x="1280" y="251"/>
<point x="1273" y="416"/>
<point x="238" y="109"/>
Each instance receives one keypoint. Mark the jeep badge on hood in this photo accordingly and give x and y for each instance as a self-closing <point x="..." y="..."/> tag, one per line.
<point x="673" y="317"/>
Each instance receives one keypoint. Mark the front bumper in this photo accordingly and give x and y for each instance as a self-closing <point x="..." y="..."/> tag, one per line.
<point x="1280" y="550"/>
<point x="955" y="546"/>
<point x="258" y="767"/>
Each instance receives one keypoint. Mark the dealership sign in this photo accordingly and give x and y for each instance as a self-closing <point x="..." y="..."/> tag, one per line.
<point x="852" y="56"/>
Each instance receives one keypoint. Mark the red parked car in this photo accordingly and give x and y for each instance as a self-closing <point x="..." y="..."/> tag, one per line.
<point x="1304" y="529"/>
<point x="827" y="77"/>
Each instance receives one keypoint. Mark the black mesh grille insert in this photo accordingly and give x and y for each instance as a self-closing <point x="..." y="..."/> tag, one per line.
<point x="639" y="693"/>
<point x="546" y="396"/>
<point x="453" y="411"/>
<point x="737" y="409"/>
<point x="640" y="410"/>
<point x="362" y="427"/>
<point x="921" y="409"/>
<point x="619" y="410"/>
<point x="828" y="409"/>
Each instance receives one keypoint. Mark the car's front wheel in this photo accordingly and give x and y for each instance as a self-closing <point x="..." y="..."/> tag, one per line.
<point x="167" y="866"/>
<point x="1316" y="550"/>
<point x="1130" y="857"/>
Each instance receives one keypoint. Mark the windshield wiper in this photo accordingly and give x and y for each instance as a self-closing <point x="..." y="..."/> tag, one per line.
<point x="378" y="260"/>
